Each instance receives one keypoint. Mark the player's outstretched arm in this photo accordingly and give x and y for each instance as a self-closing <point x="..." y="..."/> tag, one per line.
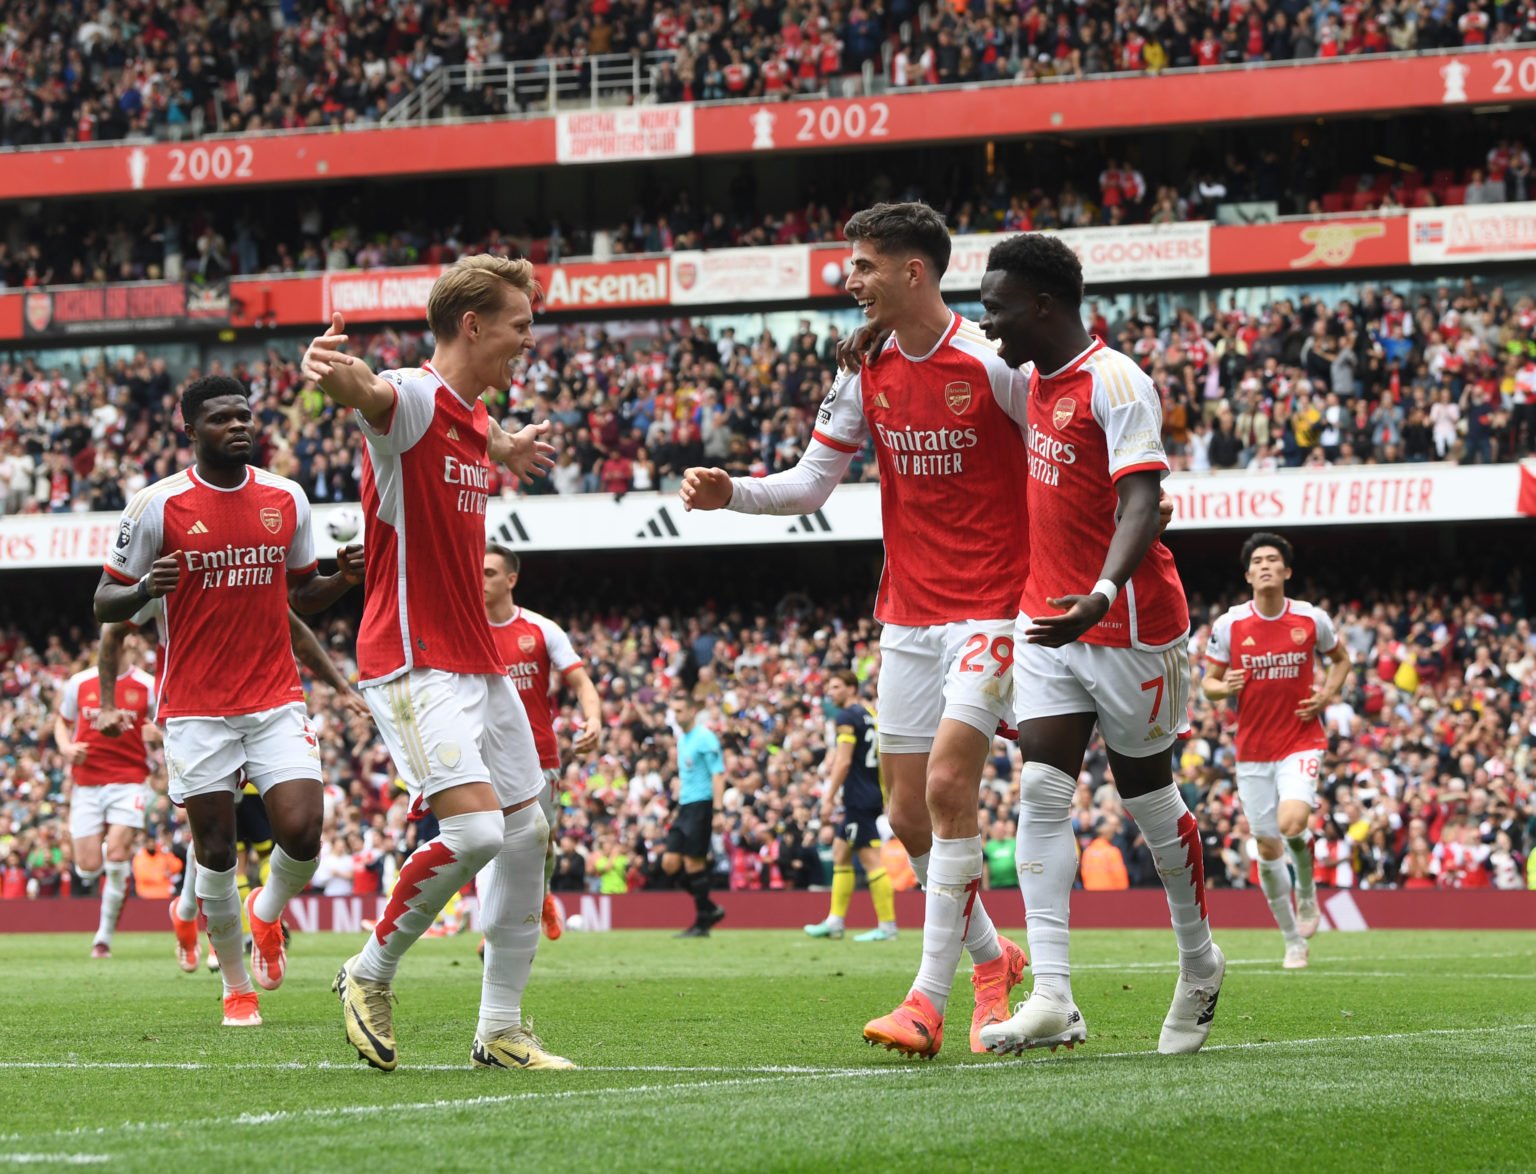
<point x="803" y="489"/>
<point x="524" y="452"/>
<point x="1137" y="524"/>
<point x="345" y="378"/>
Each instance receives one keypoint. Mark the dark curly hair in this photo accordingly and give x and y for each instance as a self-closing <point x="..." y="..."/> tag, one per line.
<point x="911" y="227"/>
<point x="1262" y="538"/>
<point x="1046" y="262"/>
<point x="200" y="391"/>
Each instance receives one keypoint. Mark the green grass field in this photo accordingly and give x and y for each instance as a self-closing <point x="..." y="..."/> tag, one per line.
<point x="1402" y="1051"/>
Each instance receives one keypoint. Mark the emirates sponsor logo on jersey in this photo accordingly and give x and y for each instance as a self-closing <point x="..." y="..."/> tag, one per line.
<point x="236" y="566"/>
<point x="1062" y="413"/>
<point x="1046" y="456"/>
<point x="1275" y="666"/>
<point x="958" y="397"/>
<point x="473" y="483"/>
<point x="524" y="675"/>
<point x="927" y="452"/>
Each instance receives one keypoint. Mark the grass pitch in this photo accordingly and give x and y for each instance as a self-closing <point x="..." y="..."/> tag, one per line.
<point x="1402" y="1051"/>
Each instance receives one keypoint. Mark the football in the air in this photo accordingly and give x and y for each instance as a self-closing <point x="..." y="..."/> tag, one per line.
<point x="343" y="524"/>
<point x="574" y="922"/>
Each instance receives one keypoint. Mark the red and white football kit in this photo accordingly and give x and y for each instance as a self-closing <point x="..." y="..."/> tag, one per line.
<point x="947" y="429"/>
<point x="439" y="692"/>
<point x="229" y="692"/>
<point x="108" y="785"/>
<point x="535" y="648"/>
<point x="1093" y="422"/>
<point x="1278" y="754"/>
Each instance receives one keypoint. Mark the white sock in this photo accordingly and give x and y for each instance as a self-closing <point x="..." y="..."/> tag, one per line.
<point x="981" y="935"/>
<point x="835" y="921"/>
<point x="220" y="896"/>
<point x="89" y="878"/>
<point x="954" y="876"/>
<point x="1174" y="838"/>
<point x="428" y="881"/>
<point x="1047" y="865"/>
<point x="113" y="894"/>
<point x="1301" y="856"/>
<point x="286" y="879"/>
<point x="510" y="896"/>
<point x="186" y="900"/>
<point x="1275" y="879"/>
<point x="920" y="868"/>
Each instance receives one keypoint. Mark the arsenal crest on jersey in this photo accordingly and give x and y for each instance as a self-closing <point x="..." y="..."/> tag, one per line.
<point x="272" y="518"/>
<point x="1062" y="413"/>
<point x="958" y="397"/>
<point x="1298" y="635"/>
<point x="527" y="644"/>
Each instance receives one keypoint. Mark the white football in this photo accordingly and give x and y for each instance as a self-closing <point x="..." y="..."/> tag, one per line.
<point x="343" y="525"/>
<point x="832" y="274"/>
<point x="574" y="922"/>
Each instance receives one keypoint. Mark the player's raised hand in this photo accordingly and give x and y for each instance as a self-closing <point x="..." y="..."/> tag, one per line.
<point x="164" y="576"/>
<point x="524" y="453"/>
<point x="323" y="356"/>
<point x="351" y="563"/>
<point x="1312" y="707"/>
<point x="705" y="489"/>
<point x="1080" y="613"/>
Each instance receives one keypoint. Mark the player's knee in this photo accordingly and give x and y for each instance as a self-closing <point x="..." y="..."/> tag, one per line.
<point x="475" y="837"/>
<point x="1292" y="825"/>
<point x="1044" y="790"/>
<point x="300" y="843"/>
<point x="1270" y="847"/>
<point x="911" y="824"/>
<point x="949" y="788"/>
<point x="215" y="853"/>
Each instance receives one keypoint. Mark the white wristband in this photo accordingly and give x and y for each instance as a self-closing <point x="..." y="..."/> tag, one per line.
<point x="1107" y="589"/>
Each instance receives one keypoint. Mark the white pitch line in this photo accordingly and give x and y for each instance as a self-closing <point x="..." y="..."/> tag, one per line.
<point x="969" y="1068"/>
<point x="59" y="1159"/>
<point x="362" y="1069"/>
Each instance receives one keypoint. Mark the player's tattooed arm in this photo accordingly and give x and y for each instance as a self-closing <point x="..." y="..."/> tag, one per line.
<point x="346" y="379"/>
<point x="1136" y="529"/>
<point x="116" y="602"/>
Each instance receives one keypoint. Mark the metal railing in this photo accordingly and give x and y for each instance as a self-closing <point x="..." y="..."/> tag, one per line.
<point x="518" y="87"/>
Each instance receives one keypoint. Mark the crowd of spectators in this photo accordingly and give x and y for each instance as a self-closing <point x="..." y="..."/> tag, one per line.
<point x="1444" y="375"/>
<point x="111" y="69"/>
<point x="1427" y="780"/>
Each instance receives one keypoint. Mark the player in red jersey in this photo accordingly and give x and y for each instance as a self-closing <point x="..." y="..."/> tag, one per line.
<point x="439" y="692"/>
<point x="226" y="546"/>
<point x="1113" y="654"/>
<point x="945" y="416"/>
<point x="108" y="781"/>
<point x="1262" y="654"/>
<point x="538" y="653"/>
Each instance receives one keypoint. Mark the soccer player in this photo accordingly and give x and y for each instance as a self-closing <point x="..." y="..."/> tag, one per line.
<point x="108" y="782"/>
<point x="439" y="692"/>
<point x="227" y="546"/>
<point x="855" y="775"/>
<point x="535" y="649"/>
<point x="1111" y="654"/>
<point x="1262" y="656"/>
<point x="945" y="415"/>
<point x="701" y="790"/>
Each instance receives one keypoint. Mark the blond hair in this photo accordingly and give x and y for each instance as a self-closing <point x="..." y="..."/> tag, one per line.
<point x="475" y="283"/>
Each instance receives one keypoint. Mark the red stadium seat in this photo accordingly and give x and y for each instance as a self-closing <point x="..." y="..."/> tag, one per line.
<point x="1455" y="194"/>
<point x="1333" y="202"/>
<point x="1364" y="201"/>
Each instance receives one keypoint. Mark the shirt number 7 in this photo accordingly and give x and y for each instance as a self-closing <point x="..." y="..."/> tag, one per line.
<point x="1157" y="702"/>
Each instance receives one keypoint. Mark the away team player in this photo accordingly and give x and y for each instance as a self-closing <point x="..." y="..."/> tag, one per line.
<point x="1262" y="655"/>
<point x="945" y="415"/>
<point x="225" y="546"/>
<point x="538" y="653"/>
<point x="108" y="782"/>
<point x="854" y="779"/>
<point x="1102" y="635"/>
<point x="439" y="692"/>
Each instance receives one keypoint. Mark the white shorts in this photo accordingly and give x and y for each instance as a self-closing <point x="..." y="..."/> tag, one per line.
<point x="93" y="809"/>
<point x="1140" y="698"/>
<point x="549" y="797"/>
<point x="959" y="671"/>
<point x="446" y="729"/>
<point x="1263" y="786"/>
<point x="208" y="754"/>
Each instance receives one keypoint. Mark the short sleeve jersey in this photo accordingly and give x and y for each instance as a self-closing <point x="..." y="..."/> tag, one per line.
<point x="225" y="627"/>
<point x="426" y="482"/>
<point x="861" y="788"/>
<point x="1277" y="656"/>
<point x="947" y="432"/>
<point x="122" y="759"/>
<point x="698" y="762"/>
<point x="1093" y="422"/>
<point x="534" y="649"/>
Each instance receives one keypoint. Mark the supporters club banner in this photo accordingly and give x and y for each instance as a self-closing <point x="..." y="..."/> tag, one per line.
<point x="125" y="308"/>
<point x="1304" y="247"/>
<point x="1304" y="90"/>
<point x="1358" y="496"/>
<point x="1472" y="233"/>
